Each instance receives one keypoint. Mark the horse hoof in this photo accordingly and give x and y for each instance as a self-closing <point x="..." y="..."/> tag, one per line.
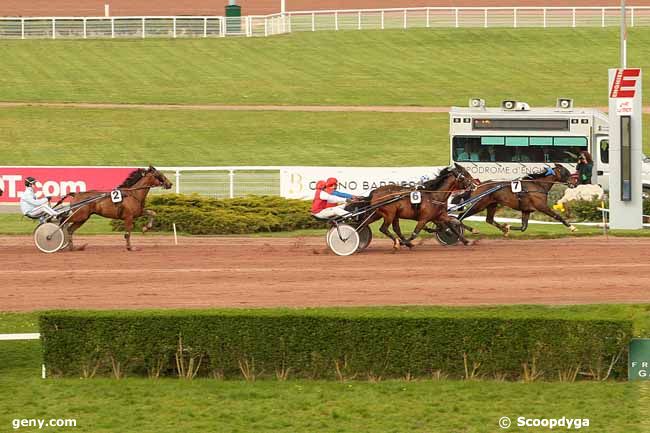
<point x="573" y="228"/>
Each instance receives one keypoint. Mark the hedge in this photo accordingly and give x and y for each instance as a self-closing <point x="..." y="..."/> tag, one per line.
<point x="198" y="215"/>
<point x="332" y="344"/>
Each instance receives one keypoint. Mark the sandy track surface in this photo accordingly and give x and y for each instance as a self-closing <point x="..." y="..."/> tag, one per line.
<point x="254" y="272"/>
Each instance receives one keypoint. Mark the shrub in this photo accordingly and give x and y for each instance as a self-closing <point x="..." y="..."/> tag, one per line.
<point x="197" y="215"/>
<point x="331" y="344"/>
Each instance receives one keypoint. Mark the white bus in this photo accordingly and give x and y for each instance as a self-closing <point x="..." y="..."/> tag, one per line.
<point x="514" y="140"/>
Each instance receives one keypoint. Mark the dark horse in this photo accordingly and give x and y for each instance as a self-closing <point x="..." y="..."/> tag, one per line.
<point x="433" y="206"/>
<point x="134" y="192"/>
<point x="533" y="197"/>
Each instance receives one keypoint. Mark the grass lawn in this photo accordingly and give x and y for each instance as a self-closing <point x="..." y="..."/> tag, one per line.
<point x="55" y="136"/>
<point x="170" y="405"/>
<point x="72" y="136"/>
<point x="438" y="67"/>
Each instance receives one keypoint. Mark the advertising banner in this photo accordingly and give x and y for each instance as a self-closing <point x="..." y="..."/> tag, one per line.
<point x="300" y="182"/>
<point x="59" y="181"/>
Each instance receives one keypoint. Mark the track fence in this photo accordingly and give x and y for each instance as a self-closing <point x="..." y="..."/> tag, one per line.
<point x="323" y="20"/>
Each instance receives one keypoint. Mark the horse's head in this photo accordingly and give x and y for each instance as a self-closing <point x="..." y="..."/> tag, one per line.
<point x="464" y="180"/>
<point x="156" y="178"/>
<point x="561" y="174"/>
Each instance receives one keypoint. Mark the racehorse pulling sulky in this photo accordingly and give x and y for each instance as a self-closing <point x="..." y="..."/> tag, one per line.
<point x="125" y="203"/>
<point x="528" y="194"/>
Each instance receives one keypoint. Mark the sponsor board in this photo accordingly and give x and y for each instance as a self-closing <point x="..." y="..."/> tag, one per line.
<point x="506" y="170"/>
<point x="59" y="181"/>
<point x="300" y="182"/>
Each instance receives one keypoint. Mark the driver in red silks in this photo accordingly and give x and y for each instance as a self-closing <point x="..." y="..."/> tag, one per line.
<point x="328" y="202"/>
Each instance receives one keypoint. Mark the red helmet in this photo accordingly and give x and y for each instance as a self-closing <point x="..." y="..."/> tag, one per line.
<point x="332" y="181"/>
<point x="321" y="184"/>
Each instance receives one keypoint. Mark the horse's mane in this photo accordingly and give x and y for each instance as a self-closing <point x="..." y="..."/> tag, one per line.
<point x="533" y="176"/>
<point x="434" y="184"/>
<point x="133" y="177"/>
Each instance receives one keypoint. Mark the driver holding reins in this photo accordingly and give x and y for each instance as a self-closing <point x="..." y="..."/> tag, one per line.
<point x="34" y="207"/>
<point x="328" y="202"/>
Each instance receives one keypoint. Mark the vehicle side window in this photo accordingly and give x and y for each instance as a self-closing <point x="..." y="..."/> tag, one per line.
<point x="604" y="151"/>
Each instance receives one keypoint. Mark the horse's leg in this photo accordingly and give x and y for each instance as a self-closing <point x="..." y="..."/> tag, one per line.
<point x="71" y="229"/>
<point x="398" y="231"/>
<point x="149" y="224"/>
<point x="384" y="230"/>
<point x="550" y="212"/>
<point x="128" y="227"/>
<point x="524" y="221"/>
<point x="489" y="218"/>
<point x="416" y="231"/>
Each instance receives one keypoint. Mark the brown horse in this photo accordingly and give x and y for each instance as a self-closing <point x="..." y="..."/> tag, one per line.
<point x="533" y="197"/>
<point x="433" y="206"/>
<point x="134" y="192"/>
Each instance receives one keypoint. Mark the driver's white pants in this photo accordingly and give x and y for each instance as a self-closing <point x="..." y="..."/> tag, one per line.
<point x="40" y="210"/>
<point x="330" y="212"/>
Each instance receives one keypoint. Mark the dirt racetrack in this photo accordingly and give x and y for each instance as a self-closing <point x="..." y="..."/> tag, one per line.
<point x="256" y="272"/>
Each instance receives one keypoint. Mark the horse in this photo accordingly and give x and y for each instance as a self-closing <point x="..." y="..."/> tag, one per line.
<point x="134" y="191"/>
<point x="433" y="206"/>
<point x="532" y="197"/>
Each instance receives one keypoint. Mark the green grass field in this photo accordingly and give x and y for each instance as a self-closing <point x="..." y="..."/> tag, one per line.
<point x="438" y="406"/>
<point x="440" y="67"/>
<point x="72" y="136"/>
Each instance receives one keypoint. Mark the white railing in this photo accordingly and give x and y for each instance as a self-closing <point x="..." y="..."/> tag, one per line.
<point x="486" y="17"/>
<point x="357" y="19"/>
<point x="223" y="182"/>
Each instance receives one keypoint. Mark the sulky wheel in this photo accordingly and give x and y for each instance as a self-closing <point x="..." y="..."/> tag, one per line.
<point x="343" y="239"/>
<point x="49" y="237"/>
<point x="446" y="236"/>
<point x="365" y="237"/>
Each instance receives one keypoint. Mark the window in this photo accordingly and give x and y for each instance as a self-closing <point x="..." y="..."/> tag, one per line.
<point x="517" y="149"/>
<point x="604" y="151"/>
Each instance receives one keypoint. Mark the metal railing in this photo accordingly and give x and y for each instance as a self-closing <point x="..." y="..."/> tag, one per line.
<point x="323" y="20"/>
<point x="486" y="17"/>
<point x="223" y="182"/>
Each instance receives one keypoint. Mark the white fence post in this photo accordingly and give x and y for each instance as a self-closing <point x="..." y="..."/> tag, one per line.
<point x="222" y="27"/>
<point x="514" y="18"/>
<point x="428" y="24"/>
<point x="53" y="28"/>
<point x="456" y="17"/>
<point x="382" y="19"/>
<point x="359" y="20"/>
<point x="404" y="18"/>
<point x="313" y="21"/>
<point x="266" y="26"/>
<point x="174" y="26"/>
<point x="485" y="19"/>
<point x="205" y="27"/>
<point x="143" y="28"/>
<point x="231" y="174"/>
<point x="112" y="27"/>
<point x="178" y="181"/>
<point x="22" y="28"/>
<point x="602" y="17"/>
<point x="544" y="17"/>
<point x="85" y="29"/>
<point x="336" y="20"/>
<point x="574" y="18"/>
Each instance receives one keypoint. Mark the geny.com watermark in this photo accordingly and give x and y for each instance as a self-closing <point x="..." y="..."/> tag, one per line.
<point x="550" y="423"/>
<point x="41" y="423"/>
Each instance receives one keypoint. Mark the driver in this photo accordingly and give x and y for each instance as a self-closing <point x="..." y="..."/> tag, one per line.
<point x="34" y="207"/>
<point x="328" y="202"/>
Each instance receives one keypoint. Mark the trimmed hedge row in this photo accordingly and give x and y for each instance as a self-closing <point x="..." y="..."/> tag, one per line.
<point x="336" y="344"/>
<point x="197" y="215"/>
